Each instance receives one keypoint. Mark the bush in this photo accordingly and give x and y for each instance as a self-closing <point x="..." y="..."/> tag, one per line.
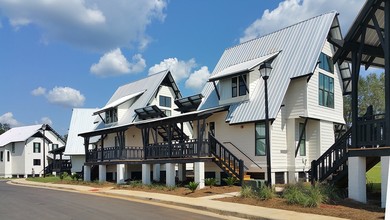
<point x="76" y="176"/>
<point x="306" y="196"/>
<point x="63" y="175"/>
<point x="192" y="186"/>
<point x="247" y="192"/>
<point x="230" y="181"/>
<point x="265" y="193"/>
<point x="210" y="182"/>
<point x="294" y="194"/>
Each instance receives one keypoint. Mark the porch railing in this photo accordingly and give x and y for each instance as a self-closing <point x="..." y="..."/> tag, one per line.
<point x="115" y="153"/>
<point x="371" y="131"/>
<point x="177" y="149"/>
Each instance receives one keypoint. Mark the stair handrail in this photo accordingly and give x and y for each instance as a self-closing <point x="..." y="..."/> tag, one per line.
<point x="240" y="173"/>
<point x="228" y="142"/>
<point x="339" y="144"/>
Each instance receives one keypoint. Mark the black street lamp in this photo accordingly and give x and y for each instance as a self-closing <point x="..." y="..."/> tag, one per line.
<point x="43" y="129"/>
<point x="265" y="70"/>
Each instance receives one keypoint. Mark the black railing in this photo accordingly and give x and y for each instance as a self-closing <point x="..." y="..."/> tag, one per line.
<point x="371" y="131"/>
<point x="333" y="161"/>
<point x="225" y="159"/>
<point x="59" y="166"/>
<point x="115" y="153"/>
<point x="177" y="149"/>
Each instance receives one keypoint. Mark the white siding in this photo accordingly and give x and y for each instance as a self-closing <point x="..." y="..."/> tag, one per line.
<point x="77" y="163"/>
<point x="327" y="136"/>
<point x="295" y="100"/>
<point x="320" y="112"/>
<point x="18" y="158"/>
<point x="279" y="149"/>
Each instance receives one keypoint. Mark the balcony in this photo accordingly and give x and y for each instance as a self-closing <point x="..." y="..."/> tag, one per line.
<point x="371" y="131"/>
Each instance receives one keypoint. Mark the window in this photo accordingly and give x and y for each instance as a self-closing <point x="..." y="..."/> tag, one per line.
<point x="37" y="162"/>
<point x="8" y="157"/>
<point x="165" y="101"/>
<point x="167" y="112"/>
<point x="302" y="145"/>
<point x="260" y="139"/>
<point x="13" y="148"/>
<point x="326" y="63"/>
<point x="111" y="115"/>
<point x="326" y="91"/>
<point x="239" y="87"/>
<point x="54" y="146"/>
<point x="1" y="156"/>
<point x="37" y="147"/>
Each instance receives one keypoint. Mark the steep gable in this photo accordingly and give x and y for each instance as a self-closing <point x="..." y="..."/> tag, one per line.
<point x="300" y="46"/>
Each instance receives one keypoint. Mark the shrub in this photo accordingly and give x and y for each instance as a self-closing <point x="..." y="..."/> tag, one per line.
<point x="210" y="182"/>
<point x="306" y="196"/>
<point x="265" y="193"/>
<point x="192" y="186"/>
<point x="314" y="197"/>
<point x="63" y="175"/>
<point x="247" y="192"/>
<point x="230" y="181"/>
<point x="330" y="193"/>
<point x="294" y="194"/>
<point x="76" y="176"/>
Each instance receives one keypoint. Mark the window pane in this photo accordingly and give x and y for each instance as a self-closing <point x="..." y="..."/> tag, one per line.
<point x="260" y="147"/>
<point x="234" y="87"/>
<point x="260" y="130"/>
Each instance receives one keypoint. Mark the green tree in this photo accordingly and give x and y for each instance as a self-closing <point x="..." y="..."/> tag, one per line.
<point x="4" y="127"/>
<point x="370" y="92"/>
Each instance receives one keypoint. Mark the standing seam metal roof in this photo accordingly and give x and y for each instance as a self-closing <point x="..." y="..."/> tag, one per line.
<point x="300" y="47"/>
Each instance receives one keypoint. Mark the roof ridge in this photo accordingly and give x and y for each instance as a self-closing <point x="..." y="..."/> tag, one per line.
<point x="287" y="27"/>
<point x="148" y="76"/>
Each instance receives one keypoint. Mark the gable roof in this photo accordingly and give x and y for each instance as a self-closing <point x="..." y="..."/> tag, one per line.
<point x="19" y="134"/>
<point x="300" y="46"/>
<point x="82" y="120"/>
<point x="142" y="92"/>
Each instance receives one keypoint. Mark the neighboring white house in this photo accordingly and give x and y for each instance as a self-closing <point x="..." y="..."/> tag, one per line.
<point x="22" y="150"/>
<point x="82" y="121"/>
<point x="305" y="94"/>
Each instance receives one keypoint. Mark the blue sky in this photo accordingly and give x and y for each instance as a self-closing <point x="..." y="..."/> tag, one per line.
<point x="56" y="55"/>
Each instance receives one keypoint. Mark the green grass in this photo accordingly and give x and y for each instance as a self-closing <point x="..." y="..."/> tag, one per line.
<point x="48" y="179"/>
<point x="374" y="178"/>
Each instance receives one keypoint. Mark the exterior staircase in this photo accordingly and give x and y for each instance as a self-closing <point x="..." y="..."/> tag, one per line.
<point x="227" y="161"/>
<point x="332" y="165"/>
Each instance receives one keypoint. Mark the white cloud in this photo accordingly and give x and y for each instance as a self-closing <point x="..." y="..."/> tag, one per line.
<point x="292" y="11"/>
<point x="180" y="69"/>
<point x="46" y="120"/>
<point x="38" y="91"/>
<point x="95" y="24"/>
<point x="8" y="118"/>
<point x="198" y="79"/>
<point x="65" y="96"/>
<point x="114" y="63"/>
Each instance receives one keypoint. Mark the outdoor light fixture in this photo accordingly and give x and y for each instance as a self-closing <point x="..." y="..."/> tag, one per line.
<point x="265" y="71"/>
<point x="43" y="129"/>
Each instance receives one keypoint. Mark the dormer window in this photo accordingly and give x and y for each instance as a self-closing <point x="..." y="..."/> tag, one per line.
<point x="326" y="63"/>
<point x="166" y="103"/>
<point x="239" y="87"/>
<point x="111" y="115"/>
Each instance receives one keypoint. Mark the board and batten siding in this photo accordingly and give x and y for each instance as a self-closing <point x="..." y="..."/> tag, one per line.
<point x="314" y="110"/>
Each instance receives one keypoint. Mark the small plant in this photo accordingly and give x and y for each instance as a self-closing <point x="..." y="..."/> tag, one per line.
<point x="306" y="196"/>
<point x="76" y="177"/>
<point x="294" y="195"/>
<point x="265" y="193"/>
<point x="63" y="175"/>
<point x="247" y="192"/>
<point x="135" y="183"/>
<point x="314" y="197"/>
<point x="192" y="186"/>
<point x="210" y="182"/>
<point x="230" y="181"/>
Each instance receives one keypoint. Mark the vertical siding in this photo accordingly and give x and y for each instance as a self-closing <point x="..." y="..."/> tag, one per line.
<point x="314" y="109"/>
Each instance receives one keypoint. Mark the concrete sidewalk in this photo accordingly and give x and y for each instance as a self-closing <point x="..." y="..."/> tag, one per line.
<point x="201" y="203"/>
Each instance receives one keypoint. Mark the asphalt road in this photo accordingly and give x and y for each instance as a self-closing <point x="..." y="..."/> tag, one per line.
<point x="27" y="203"/>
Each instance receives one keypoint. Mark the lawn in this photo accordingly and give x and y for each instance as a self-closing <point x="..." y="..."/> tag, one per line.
<point x="374" y="177"/>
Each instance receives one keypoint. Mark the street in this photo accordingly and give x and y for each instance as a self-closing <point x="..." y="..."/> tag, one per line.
<point x="20" y="202"/>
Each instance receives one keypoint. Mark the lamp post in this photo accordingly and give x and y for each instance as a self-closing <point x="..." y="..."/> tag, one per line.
<point x="265" y="70"/>
<point x="43" y="129"/>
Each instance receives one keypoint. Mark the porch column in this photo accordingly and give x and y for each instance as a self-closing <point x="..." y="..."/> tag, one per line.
<point x="87" y="173"/>
<point x="120" y="173"/>
<point x="357" y="179"/>
<point x="146" y="174"/>
<point x="218" y="177"/>
<point x="156" y="172"/>
<point x="199" y="174"/>
<point x="170" y="174"/>
<point x="182" y="172"/>
<point x="102" y="173"/>
<point x="385" y="162"/>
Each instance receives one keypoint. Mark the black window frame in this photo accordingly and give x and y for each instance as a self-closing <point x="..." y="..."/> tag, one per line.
<point x="8" y="156"/>
<point x="302" y="146"/>
<point x="258" y="137"/>
<point x="13" y="147"/>
<point x="326" y="63"/>
<point x="239" y="85"/>
<point x="325" y="91"/>
<point x="165" y="101"/>
<point x="35" y="149"/>
<point x="111" y="115"/>
<point x="36" y="160"/>
<point x="1" y="156"/>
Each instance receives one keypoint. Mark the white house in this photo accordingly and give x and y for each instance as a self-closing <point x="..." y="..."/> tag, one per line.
<point x="305" y="96"/>
<point x="25" y="150"/>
